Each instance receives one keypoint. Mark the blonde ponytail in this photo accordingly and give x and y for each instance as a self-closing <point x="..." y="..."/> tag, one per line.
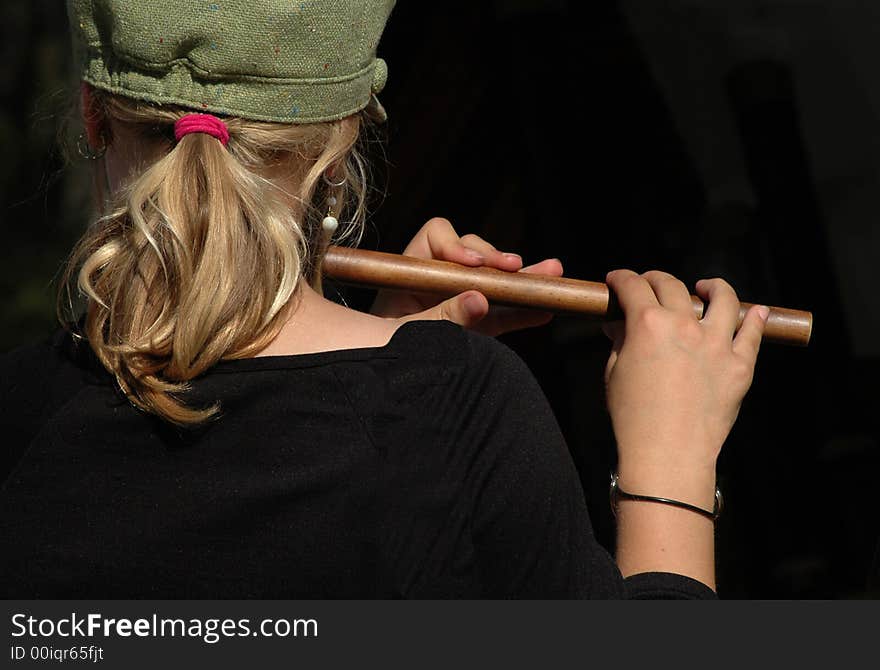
<point x="198" y="257"/>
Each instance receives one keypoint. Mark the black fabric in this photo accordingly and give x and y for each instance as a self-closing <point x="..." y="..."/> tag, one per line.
<point x="432" y="467"/>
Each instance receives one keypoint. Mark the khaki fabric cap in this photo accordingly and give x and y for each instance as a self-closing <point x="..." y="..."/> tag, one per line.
<point x="268" y="60"/>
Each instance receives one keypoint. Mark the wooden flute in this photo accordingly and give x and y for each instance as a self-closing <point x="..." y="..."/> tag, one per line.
<point x="561" y="295"/>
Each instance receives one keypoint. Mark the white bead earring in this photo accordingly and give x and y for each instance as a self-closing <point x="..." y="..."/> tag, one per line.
<point x="328" y="228"/>
<point x="328" y="225"/>
<point x="330" y="222"/>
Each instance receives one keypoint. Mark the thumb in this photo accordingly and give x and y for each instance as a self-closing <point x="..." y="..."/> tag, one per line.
<point x="466" y="309"/>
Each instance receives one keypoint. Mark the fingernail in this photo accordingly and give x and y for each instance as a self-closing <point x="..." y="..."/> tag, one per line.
<point x="516" y="256"/>
<point x="475" y="255"/>
<point x="764" y="312"/>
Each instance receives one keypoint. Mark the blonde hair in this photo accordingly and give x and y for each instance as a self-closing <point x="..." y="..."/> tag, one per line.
<point x="198" y="256"/>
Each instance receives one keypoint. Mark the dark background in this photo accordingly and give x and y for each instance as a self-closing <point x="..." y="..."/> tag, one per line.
<point x="701" y="137"/>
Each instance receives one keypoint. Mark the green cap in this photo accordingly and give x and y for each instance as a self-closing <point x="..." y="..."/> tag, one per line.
<point x="268" y="60"/>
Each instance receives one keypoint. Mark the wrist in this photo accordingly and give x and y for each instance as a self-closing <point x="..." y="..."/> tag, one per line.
<point x="691" y="485"/>
<point x="618" y="494"/>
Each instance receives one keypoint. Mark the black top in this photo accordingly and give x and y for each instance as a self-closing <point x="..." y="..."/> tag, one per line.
<point x="431" y="467"/>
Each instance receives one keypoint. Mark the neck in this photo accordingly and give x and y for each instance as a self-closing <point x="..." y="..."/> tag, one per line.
<point x="317" y="324"/>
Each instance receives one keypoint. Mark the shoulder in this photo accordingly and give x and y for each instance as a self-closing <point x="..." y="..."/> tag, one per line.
<point x="60" y="349"/>
<point x="36" y="377"/>
<point x="446" y="341"/>
<point x="492" y="400"/>
<point x="464" y="390"/>
<point x="22" y="365"/>
<point x="481" y="371"/>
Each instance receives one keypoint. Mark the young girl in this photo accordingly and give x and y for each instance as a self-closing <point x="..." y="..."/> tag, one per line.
<point x="213" y="426"/>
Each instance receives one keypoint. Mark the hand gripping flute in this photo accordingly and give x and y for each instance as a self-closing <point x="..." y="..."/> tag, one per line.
<point x="561" y="295"/>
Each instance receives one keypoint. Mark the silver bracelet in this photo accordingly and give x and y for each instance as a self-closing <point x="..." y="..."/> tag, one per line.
<point x="617" y="493"/>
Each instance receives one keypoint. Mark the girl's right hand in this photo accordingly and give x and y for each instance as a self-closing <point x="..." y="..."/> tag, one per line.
<point x="674" y="384"/>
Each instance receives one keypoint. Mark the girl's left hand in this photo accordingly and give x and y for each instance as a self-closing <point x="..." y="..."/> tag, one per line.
<point x="438" y="240"/>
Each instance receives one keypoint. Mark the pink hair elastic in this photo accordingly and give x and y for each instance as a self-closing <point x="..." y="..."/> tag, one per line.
<point x="201" y="123"/>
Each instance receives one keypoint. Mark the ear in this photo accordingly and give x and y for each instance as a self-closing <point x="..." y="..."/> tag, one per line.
<point x="93" y="119"/>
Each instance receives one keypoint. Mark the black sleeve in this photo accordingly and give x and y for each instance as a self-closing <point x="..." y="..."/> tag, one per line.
<point x="532" y="533"/>
<point x="25" y="385"/>
<point x="35" y="380"/>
